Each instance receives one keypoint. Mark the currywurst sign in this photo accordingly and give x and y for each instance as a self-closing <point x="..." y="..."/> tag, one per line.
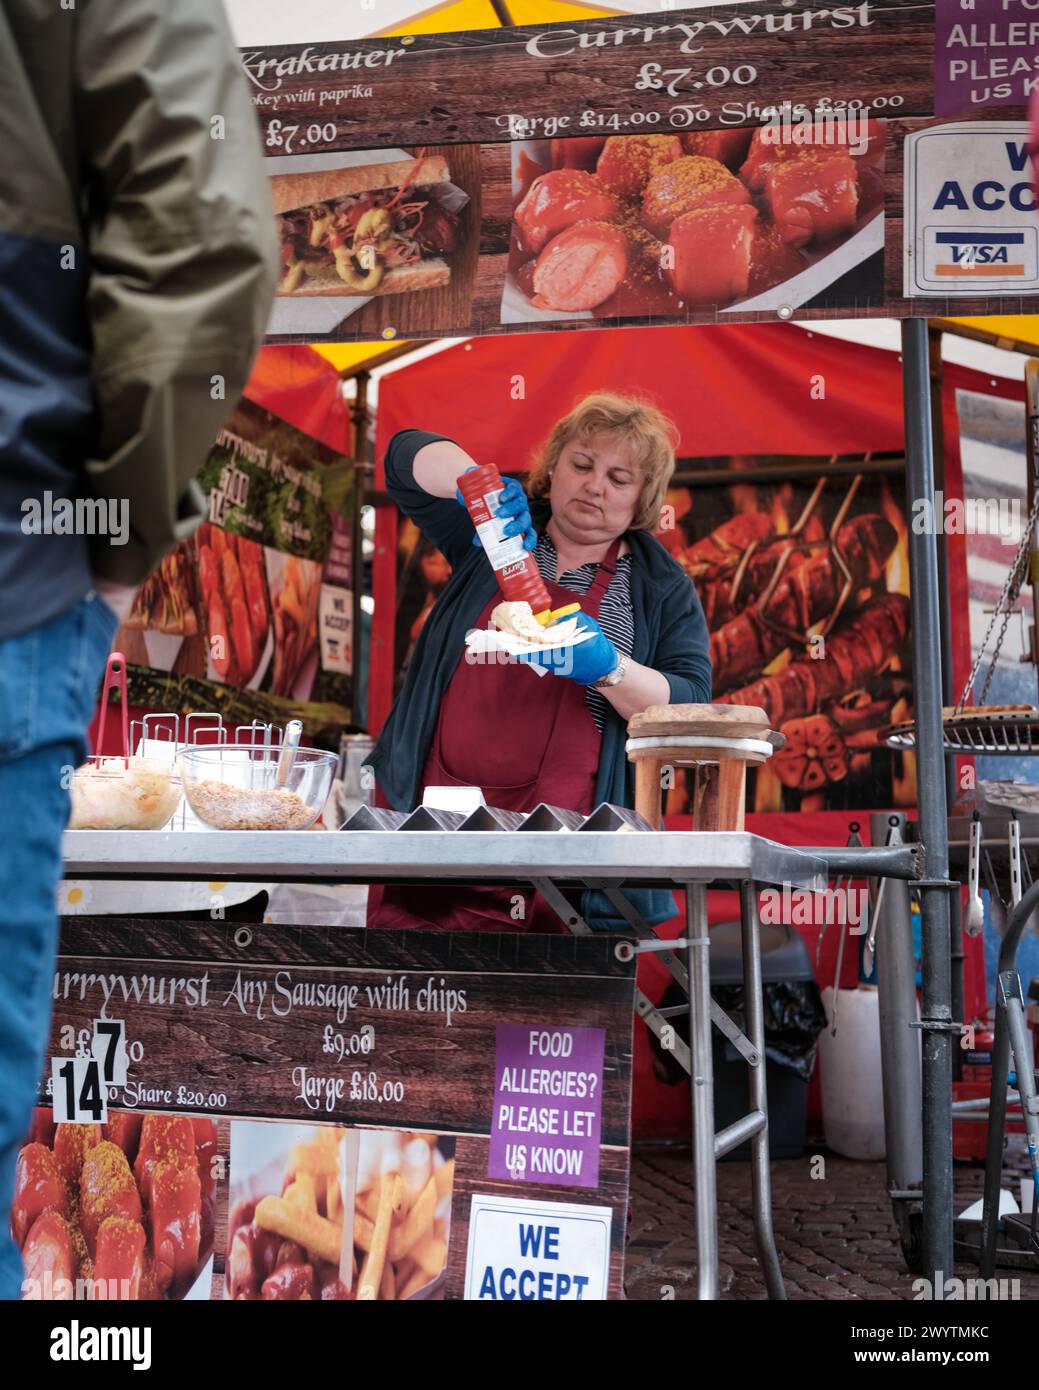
<point x="716" y="66"/>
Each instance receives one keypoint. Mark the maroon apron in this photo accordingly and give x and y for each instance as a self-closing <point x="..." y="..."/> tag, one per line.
<point x="522" y="739"/>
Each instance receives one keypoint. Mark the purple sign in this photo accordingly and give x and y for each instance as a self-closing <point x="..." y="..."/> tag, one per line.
<point x="547" y="1104"/>
<point x="338" y="569"/>
<point x="986" y="53"/>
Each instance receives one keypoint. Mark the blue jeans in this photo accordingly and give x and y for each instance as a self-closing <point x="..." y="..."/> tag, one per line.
<point x="48" y="688"/>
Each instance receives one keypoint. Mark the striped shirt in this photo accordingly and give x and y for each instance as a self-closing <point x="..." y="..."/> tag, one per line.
<point x="616" y="617"/>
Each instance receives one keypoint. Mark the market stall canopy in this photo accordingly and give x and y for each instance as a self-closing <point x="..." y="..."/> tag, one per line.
<point x="302" y="387"/>
<point x="329" y="21"/>
<point x="350" y="358"/>
<point x="765" y="389"/>
<point x="1020" y="331"/>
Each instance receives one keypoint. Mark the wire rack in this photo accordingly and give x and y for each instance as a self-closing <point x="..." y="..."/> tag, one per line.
<point x="1007" y="730"/>
<point x="163" y="736"/>
<point x="993" y="730"/>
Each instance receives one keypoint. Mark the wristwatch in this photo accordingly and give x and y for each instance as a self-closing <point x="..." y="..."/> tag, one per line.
<point x="615" y="676"/>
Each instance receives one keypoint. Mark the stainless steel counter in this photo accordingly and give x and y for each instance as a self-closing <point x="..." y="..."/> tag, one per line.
<point x="295" y="856"/>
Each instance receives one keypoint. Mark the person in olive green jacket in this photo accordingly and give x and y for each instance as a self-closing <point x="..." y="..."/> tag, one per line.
<point x="138" y="261"/>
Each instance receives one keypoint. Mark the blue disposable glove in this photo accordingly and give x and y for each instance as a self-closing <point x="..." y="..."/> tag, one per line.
<point x="586" y="663"/>
<point x="512" y="503"/>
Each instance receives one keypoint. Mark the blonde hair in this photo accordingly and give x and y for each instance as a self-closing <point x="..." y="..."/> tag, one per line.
<point x="650" y="435"/>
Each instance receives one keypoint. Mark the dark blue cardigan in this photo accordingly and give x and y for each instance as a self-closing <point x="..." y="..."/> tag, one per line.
<point x="670" y="636"/>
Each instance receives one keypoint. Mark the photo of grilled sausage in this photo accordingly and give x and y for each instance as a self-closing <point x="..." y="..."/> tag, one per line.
<point x="711" y="254"/>
<point x="559" y="199"/>
<point x="581" y="267"/>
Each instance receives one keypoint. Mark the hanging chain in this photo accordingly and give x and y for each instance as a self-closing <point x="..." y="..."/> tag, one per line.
<point x="1003" y="609"/>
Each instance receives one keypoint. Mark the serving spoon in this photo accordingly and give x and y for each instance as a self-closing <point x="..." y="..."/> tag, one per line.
<point x="974" y="921"/>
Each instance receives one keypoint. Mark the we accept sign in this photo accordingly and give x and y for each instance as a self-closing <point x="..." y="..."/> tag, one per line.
<point x="529" y="1251"/>
<point x="971" y="226"/>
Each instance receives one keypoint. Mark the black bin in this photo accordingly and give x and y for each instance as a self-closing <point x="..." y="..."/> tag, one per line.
<point x="794" y="1018"/>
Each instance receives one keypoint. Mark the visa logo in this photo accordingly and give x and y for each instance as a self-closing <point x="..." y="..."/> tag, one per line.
<point x="979" y="254"/>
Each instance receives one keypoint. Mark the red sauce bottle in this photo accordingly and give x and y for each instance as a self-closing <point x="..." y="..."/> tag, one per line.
<point x="517" y="570"/>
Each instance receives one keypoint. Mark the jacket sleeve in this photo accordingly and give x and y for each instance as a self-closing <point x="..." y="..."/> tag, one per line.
<point x="683" y="652"/>
<point x="440" y="519"/>
<point x="183" y="255"/>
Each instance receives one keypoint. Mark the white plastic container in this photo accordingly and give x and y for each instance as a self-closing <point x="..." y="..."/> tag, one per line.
<point x="853" y="1094"/>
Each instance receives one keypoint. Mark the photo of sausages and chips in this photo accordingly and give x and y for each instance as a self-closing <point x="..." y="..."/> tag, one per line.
<point x="323" y="1212"/>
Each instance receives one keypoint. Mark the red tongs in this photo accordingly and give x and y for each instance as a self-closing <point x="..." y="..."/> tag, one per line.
<point x="115" y="677"/>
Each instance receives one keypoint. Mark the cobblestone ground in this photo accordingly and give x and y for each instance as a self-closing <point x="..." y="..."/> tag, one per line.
<point x="836" y="1235"/>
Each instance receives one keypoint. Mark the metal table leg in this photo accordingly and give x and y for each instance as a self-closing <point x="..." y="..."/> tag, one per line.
<point x="701" y="1081"/>
<point x="759" y="1159"/>
<point x="1016" y="923"/>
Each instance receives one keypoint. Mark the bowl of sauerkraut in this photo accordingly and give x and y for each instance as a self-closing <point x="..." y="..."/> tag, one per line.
<point x="138" y="793"/>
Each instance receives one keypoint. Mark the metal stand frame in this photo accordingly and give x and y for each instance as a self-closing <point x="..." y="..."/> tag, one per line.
<point x="689" y="861"/>
<point x="899" y="1044"/>
<point x="936" y="1021"/>
<point x="708" y="1145"/>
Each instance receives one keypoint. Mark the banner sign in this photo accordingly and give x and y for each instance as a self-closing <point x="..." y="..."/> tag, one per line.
<point x="672" y="71"/>
<point x="613" y="154"/>
<point x="253" y="616"/>
<point x="483" y="1072"/>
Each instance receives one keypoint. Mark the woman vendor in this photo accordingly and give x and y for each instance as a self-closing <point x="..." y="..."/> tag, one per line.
<point x="595" y="492"/>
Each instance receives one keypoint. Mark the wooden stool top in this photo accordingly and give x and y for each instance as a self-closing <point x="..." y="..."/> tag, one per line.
<point x="703" y="722"/>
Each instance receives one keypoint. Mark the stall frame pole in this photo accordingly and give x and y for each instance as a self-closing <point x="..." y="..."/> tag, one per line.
<point x="701" y="1085"/>
<point x="936" y="1018"/>
<point x="757" y="1076"/>
<point x="899" y="1042"/>
<point x="360" y="418"/>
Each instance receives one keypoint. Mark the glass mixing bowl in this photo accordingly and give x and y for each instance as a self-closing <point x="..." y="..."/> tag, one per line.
<point x="234" y="787"/>
<point x="124" y="794"/>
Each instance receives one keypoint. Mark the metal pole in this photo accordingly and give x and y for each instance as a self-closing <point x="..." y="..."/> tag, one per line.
<point x="701" y="1083"/>
<point x="899" y="1041"/>
<point x="1032" y="444"/>
<point x="957" y="957"/>
<point x="1016" y="923"/>
<point x="360" y="419"/>
<point x="949" y="693"/>
<point x="930" y="772"/>
<point x="934" y="347"/>
<point x="754" y="1008"/>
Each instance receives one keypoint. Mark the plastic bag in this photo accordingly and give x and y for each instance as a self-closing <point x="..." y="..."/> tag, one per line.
<point x="794" y="1018"/>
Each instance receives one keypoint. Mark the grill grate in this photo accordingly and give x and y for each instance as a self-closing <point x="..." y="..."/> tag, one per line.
<point x="999" y="732"/>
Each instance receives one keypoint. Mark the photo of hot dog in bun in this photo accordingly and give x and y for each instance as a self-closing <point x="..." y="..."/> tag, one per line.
<point x="365" y="230"/>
